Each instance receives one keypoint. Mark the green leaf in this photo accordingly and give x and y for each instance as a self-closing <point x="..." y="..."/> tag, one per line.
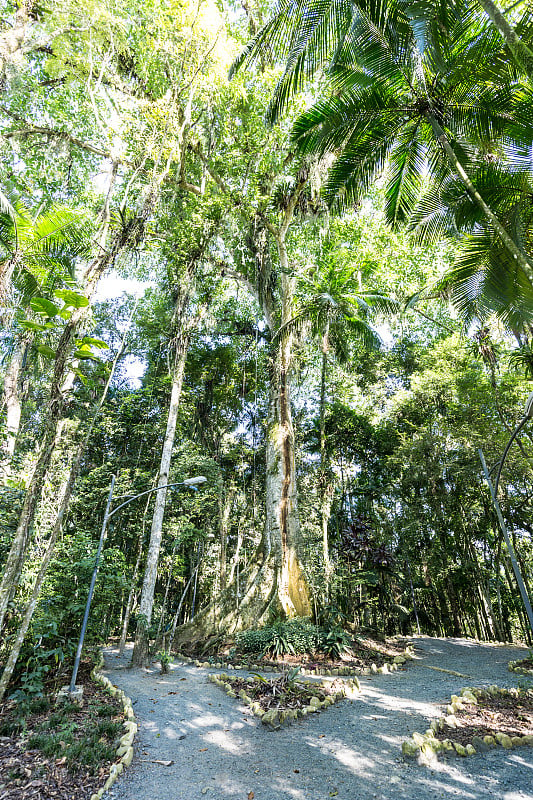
<point x="43" y="306"/>
<point x="85" y="354"/>
<point x="46" y="351"/>
<point x="91" y="342"/>
<point x="83" y="378"/>
<point x="28" y="325"/>
<point x="73" y="299"/>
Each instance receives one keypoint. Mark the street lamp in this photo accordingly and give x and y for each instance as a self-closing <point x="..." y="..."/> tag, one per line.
<point x="192" y="483"/>
<point x="528" y="414"/>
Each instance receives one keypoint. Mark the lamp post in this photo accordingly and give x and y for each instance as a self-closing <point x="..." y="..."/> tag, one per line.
<point x="192" y="483"/>
<point x="528" y="414"/>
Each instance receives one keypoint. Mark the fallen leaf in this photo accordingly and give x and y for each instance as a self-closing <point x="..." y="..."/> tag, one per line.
<point x="183" y="679"/>
<point x="203" y="749"/>
<point x="251" y="796"/>
<point x="297" y="771"/>
<point x="333" y="794"/>
<point x="172" y="693"/>
<point x="322" y="735"/>
<point x="163" y="763"/>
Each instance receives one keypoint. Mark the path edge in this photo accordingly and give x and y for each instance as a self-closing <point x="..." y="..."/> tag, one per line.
<point x="125" y="749"/>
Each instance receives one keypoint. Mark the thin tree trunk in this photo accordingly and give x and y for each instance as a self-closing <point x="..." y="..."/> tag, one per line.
<point x="13" y="403"/>
<point x="180" y="604"/>
<point x="58" y="526"/>
<point x="54" y="411"/>
<point x="141" y="647"/>
<point x="167" y="587"/>
<point x="237" y="553"/>
<point x="12" y="39"/>
<point x="325" y="483"/>
<point x="133" y="585"/>
<point x="226" y="503"/>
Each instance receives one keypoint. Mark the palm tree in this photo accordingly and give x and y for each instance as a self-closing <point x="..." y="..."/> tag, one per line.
<point x="37" y="256"/>
<point x="484" y="280"/>
<point x="401" y="92"/>
<point x="37" y="247"/>
<point x="337" y="310"/>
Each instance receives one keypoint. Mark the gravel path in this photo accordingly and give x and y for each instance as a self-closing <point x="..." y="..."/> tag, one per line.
<point x="352" y="751"/>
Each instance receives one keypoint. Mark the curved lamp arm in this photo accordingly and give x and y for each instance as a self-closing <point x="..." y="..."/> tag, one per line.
<point x="191" y="482"/>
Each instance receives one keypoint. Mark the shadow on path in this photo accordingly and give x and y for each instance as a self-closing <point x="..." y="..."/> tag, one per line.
<point x="351" y="752"/>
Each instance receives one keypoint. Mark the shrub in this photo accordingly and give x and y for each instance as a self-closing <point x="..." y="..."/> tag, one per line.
<point x="291" y="636"/>
<point x="301" y="634"/>
<point x="255" y="640"/>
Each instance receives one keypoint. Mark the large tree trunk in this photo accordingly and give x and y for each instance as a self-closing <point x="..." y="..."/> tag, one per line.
<point x="282" y="528"/>
<point x="274" y="581"/>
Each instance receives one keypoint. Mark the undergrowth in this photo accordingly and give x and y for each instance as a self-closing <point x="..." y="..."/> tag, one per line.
<point x="85" y="737"/>
<point x="297" y="636"/>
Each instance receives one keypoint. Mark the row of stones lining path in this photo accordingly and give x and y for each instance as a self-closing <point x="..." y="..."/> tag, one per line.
<point x="352" y="751"/>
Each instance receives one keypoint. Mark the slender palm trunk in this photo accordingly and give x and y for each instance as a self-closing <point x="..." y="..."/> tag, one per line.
<point x="520" y="52"/>
<point x="326" y="488"/>
<point x="511" y="246"/>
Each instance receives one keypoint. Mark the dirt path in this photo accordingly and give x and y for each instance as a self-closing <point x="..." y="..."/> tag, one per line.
<point x="351" y="752"/>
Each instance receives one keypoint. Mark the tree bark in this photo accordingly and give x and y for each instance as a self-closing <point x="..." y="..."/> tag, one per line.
<point x="12" y="39"/>
<point x="282" y="536"/>
<point x="133" y="584"/>
<point x="65" y="496"/>
<point x="141" y="647"/>
<point x="13" y="405"/>
<point x="57" y="398"/>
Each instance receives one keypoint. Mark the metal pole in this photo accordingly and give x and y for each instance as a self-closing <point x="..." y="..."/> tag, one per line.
<point x="108" y="514"/>
<point x="72" y="687"/>
<point x="503" y="527"/>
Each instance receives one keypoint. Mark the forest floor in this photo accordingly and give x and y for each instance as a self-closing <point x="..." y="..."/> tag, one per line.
<point x="62" y="752"/>
<point x="194" y="741"/>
